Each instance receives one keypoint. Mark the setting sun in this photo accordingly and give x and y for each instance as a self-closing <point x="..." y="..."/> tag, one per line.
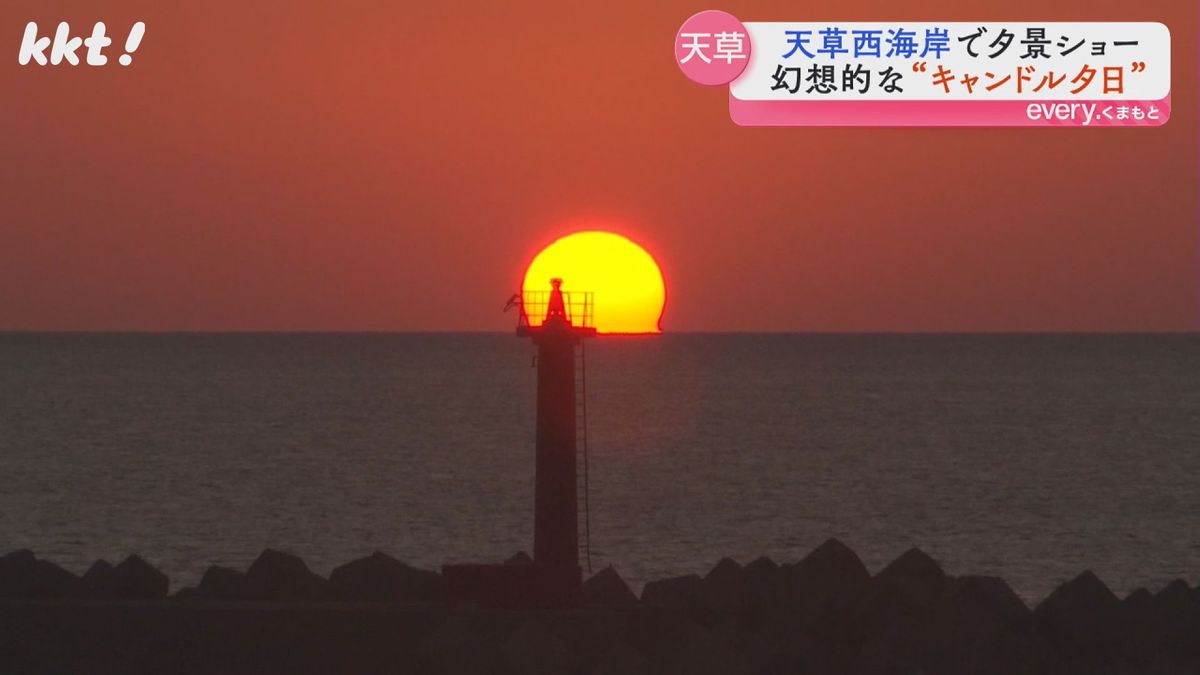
<point x="626" y="280"/>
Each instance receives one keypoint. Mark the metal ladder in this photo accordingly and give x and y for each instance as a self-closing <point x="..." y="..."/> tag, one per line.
<point x="581" y="465"/>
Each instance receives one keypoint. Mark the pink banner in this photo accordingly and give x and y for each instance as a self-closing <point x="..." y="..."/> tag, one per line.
<point x="807" y="112"/>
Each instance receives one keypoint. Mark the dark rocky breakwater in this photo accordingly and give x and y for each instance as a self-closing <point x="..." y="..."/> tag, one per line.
<point x="824" y="614"/>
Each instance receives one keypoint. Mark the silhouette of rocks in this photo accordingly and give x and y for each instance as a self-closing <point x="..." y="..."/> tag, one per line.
<point x="455" y="647"/>
<point x="692" y="649"/>
<point x="992" y="596"/>
<point x="282" y="576"/>
<point x="99" y="581"/>
<point x="762" y="574"/>
<point x="519" y="558"/>
<point x="794" y="648"/>
<point x="52" y="581"/>
<point x="765" y="585"/>
<point x="1082" y="620"/>
<point x="16" y="571"/>
<point x="381" y="578"/>
<point x="824" y="614"/>
<point x="725" y="588"/>
<point x="23" y="576"/>
<point x="684" y="592"/>
<point x="1175" y="618"/>
<point x="131" y="579"/>
<point x="1163" y="626"/>
<point x="971" y="625"/>
<point x="137" y="579"/>
<point x="533" y="650"/>
<point x="606" y="588"/>
<point x="223" y="583"/>
<point x="906" y="588"/>
<point x="823" y="590"/>
<point x="623" y="659"/>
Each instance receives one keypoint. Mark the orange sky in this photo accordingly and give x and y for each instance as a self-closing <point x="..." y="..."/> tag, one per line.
<point x="298" y="165"/>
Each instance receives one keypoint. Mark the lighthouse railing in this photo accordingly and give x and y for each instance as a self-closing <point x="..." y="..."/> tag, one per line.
<point x="579" y="307"/>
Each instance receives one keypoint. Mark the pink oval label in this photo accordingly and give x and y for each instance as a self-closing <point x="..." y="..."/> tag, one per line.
<point x="712" y="47"/>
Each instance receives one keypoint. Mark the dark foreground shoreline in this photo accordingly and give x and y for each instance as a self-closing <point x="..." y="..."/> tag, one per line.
<point x="824" y="614"/>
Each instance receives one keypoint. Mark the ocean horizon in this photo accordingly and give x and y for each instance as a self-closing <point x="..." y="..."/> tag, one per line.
<point x="1029" y="456"/>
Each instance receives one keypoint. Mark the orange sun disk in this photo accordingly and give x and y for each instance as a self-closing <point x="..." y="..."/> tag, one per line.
<point x="629" y="292"/>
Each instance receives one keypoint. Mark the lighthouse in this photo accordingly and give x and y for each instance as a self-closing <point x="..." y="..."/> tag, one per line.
<point x="557" y="322"/>
<point x="564" y="325"/>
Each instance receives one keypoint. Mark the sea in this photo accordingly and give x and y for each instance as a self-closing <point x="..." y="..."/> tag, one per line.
<point x="1031" y="457"/>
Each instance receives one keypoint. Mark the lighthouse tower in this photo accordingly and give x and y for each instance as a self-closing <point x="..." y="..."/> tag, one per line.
<point x="566" y="322"/>
<point x="557" y="322"/>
